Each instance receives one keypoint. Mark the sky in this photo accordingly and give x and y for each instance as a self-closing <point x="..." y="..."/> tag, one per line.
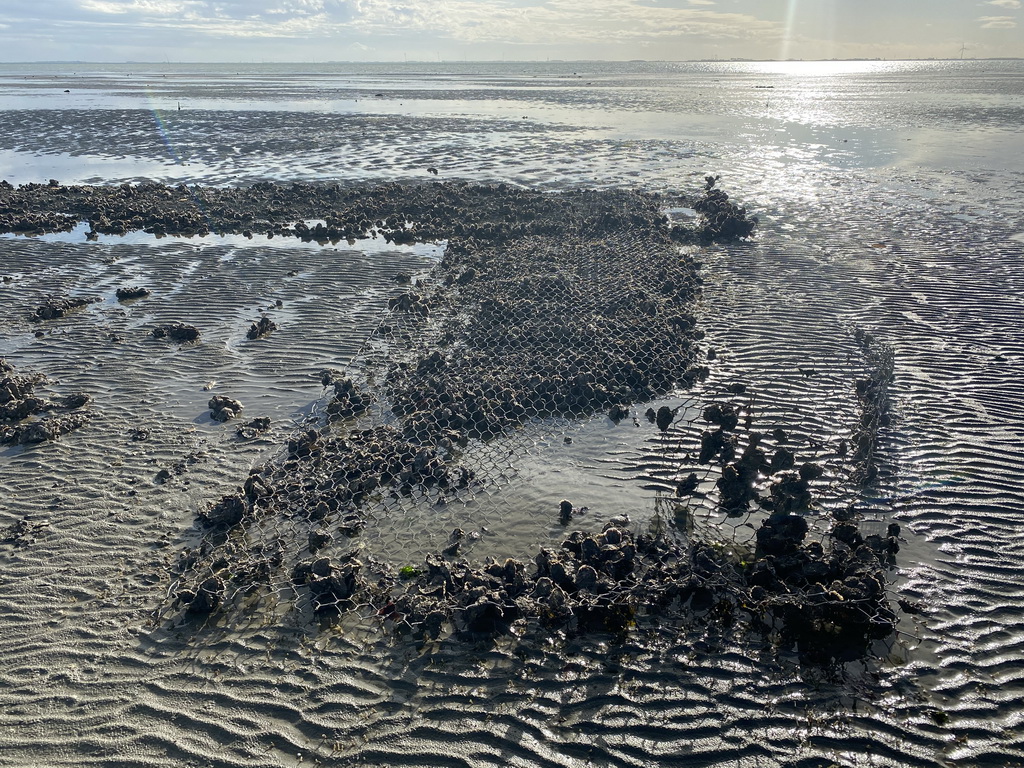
<point x="490" y="30"/>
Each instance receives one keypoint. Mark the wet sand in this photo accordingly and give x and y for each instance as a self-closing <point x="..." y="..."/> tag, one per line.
<point x="924" y="260"/>
<point x="153" y="455"/>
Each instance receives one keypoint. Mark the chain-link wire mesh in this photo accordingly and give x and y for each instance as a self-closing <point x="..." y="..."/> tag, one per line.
<point x="586" y="306"/>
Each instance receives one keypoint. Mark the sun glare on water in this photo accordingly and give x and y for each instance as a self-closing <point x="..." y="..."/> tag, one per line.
<point x="819" y="68"/>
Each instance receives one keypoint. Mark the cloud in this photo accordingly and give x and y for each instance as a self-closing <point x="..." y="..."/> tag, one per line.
<point x="156" y="7"/>
<point x="465" y="21"/>
<point x="215" y="10"/>
<point x="1011" y="4"/>
<point x="213" y="18"/>
<point x="556" y="21"/>
<point x="998" y="22"/>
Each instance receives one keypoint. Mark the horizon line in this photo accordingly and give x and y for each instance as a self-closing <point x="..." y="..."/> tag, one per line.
<point x="734" y="59"/>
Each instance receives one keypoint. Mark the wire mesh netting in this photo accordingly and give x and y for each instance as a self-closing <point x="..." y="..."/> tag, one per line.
<point x="587" y="307"/>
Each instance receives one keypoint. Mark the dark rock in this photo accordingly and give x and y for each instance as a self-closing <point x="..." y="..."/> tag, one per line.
<point x="563" y="573"/>
<point x="782" y="459"/>
<point x="16" y="388"/>
<point x="329" y="376"/>
<point x="349" y="401"/>
<point x="781" y="534"/>
<point x="565" y="511"/>
<point x="490" y="614"/>
<point x="226" y="513"/>
<point x="734" y="489"/>
<point x="411" y="303"/>
<point x="844" y="514"/>
<point x="687" y="485"/>
<point x="76" y="400"/>
<point x="350" y="525"/>
<point x="180" y="332"/>
<point x="254" y="428"/>
<point x="206" y="598"/>
<point x="43" y="430"/>
<point x="333" y="584"/>
<point x="810" y="471"/>
<point x="224" y="408"/>
<point x="618" y="412"/>
<point x="318" y="539"/>
<point x="664" y="418"/>
<point x="129" y="294"/>
<point x="711" y="445"/>
<point x="261" y="328"/>
<point x="847" y="533"/>
<point x="21" y="533"/>
<point x="53" y="308"/>
<point x="433" y="623"/>
<point x="752" y="462"/>
<point x="789" y="493"/>
<point x="726" y="416"/>
<point x="610" y="536"/>
<point x="16" y="410"/>
<point x="721" y="219"/>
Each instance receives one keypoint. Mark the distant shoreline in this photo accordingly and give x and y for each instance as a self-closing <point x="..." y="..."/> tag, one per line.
<point x="524" y="61"/>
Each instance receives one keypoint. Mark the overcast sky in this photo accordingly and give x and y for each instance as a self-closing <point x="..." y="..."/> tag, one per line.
<point x="391" y="30"/>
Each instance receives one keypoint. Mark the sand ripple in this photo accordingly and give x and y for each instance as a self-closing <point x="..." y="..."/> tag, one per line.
<point x="87" y="680"/>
